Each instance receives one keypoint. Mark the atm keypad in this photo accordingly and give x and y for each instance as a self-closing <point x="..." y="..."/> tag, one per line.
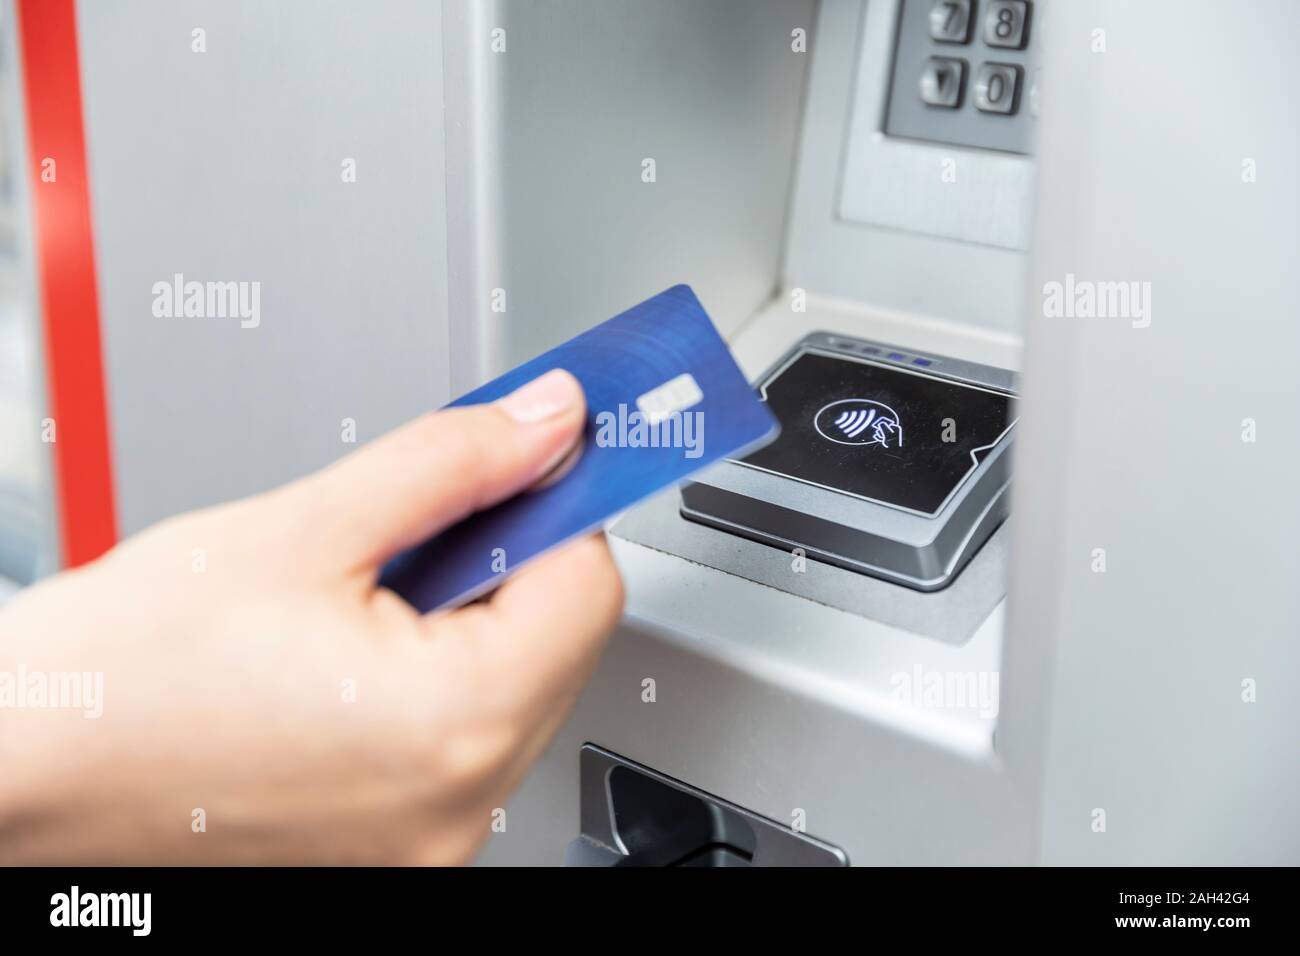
<point x="942" y="81"/>
<point x="960" y="70"/>
<point x="1004" y="23"/>
<point x="997" y="88"/>
<point x="950" y="21"/>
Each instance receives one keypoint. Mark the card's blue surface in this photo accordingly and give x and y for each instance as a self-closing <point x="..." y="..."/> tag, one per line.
<point x="668" y="340"/>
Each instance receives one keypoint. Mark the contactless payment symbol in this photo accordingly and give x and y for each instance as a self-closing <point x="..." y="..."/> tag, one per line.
<point x="859" y="421"/>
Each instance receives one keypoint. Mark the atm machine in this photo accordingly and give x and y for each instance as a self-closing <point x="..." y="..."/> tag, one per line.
<point x="1017" y="583"/>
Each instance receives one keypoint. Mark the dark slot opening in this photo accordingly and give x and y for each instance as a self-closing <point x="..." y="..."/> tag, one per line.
<point x="660" y="825"/>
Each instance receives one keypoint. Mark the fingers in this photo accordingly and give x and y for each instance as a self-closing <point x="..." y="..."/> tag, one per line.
<point x="429" y="474"/>
<point x="533" y="644"/>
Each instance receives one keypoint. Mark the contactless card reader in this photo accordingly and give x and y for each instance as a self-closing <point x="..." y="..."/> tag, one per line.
<point x="890" y="462"/>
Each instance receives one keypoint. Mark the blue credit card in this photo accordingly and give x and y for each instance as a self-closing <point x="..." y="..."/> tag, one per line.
<point x="664" y="399"/>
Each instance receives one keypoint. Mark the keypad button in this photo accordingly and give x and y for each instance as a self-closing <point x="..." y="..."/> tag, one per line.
<point x="996" y="88"/>
<point x="941" y="81"/>
<point x="950" y="21"/>
<point x="1005" y="22"/>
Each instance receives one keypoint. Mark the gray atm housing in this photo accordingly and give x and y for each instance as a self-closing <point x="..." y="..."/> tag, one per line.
<point x="925" y="552"/>
<point x="1165" y="159"/>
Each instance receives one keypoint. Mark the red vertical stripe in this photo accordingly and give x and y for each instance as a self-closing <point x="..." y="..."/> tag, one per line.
<point x="66" y="265"/>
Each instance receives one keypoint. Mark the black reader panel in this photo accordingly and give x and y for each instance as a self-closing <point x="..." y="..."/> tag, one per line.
<point x="890" y="462"/>
<point x="878" y="431"/>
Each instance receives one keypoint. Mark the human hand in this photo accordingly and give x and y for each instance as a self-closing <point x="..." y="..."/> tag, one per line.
<point x="256" y="679"/>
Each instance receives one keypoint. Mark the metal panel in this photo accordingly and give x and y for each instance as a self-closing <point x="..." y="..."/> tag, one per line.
<point x="884" y="266"/>
<point x="589" y="89"/>
<point x="1167" y="159"/>
<point x="227" y="165"/>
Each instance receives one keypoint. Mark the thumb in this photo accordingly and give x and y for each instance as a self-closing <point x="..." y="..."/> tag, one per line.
<point x="432" y="472"/>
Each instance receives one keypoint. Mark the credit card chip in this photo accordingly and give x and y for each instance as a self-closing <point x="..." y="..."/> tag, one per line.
<point x="675" y="395"/>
